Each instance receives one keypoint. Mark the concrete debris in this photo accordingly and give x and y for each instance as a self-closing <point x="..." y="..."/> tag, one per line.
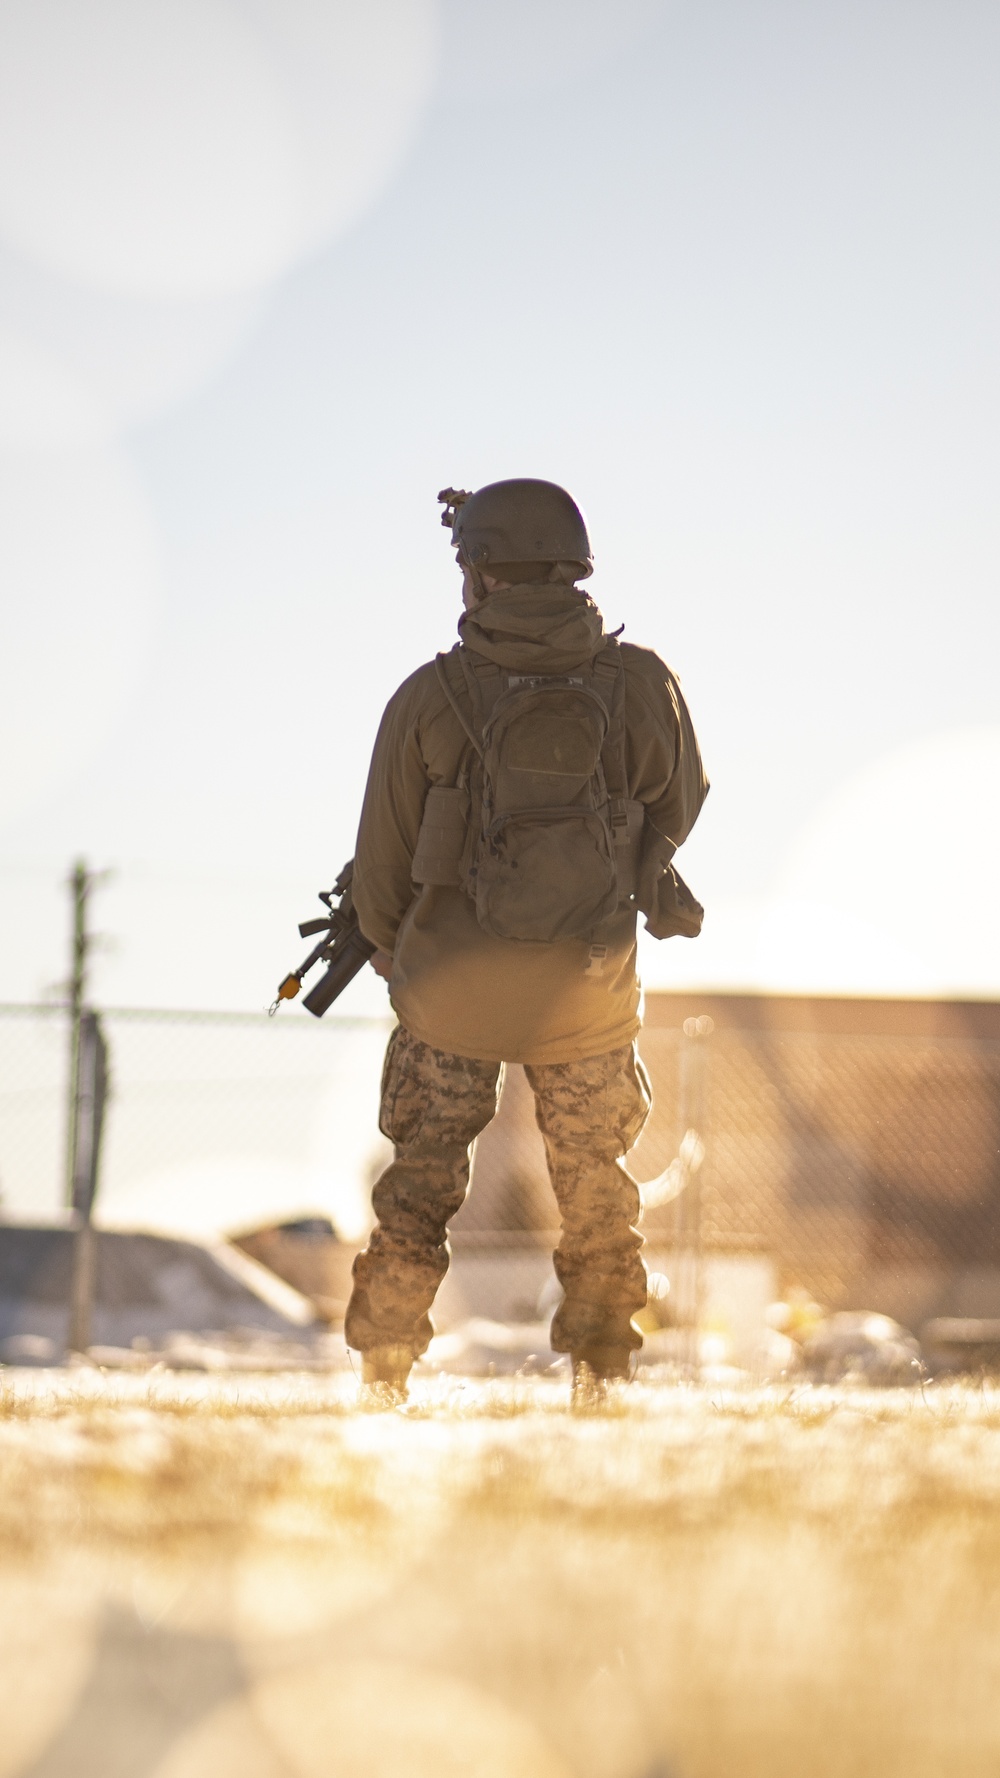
<point x="481" y="1348"/>
<point x="150" y="1290"/>
<point x="310" y="1256"/>
<point x="962" y="1343"/>
<point x="478" y="1347"/>
<point x="859" y="1347"/>
<point x="218" y="1353"/>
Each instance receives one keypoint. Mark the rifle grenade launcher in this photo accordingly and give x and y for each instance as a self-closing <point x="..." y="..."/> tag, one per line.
<point x="343" y="947"/>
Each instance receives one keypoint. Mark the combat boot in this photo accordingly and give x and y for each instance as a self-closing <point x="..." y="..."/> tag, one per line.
<point x="385" y="1372"/>
<point x="596" y="1369"/>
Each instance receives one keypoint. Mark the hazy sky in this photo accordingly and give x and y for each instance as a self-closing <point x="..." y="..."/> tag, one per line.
<point x="274" y="272"/>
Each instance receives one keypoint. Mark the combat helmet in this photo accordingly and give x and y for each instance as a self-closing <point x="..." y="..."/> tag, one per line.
<point x="516" y="521"/>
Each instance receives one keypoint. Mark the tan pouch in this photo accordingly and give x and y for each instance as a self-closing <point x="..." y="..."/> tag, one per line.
<point x="675" y="913"/>
<point x="670" y="908"/>
<point x="441" y="840"/>
<point x="629" y="855"/>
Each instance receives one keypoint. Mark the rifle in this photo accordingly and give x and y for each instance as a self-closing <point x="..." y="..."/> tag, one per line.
<point x="343" y="946"/>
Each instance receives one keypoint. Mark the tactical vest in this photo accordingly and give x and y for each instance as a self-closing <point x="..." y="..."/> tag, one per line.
<point x="539" y="831"/>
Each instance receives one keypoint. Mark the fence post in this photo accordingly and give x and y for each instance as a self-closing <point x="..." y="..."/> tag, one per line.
<point x="688" y="1222"/>
<point x="88" y="1125"/>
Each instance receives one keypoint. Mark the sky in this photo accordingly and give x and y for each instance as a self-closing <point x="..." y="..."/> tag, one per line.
<point x="272" y="272"/>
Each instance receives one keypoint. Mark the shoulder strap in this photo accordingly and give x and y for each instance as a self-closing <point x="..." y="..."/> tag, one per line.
<point x="609" y="671"/>
<point x="441" y="668"/>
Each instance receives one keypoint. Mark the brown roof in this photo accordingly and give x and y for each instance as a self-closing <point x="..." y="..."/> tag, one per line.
<point x="828" y="1015"/>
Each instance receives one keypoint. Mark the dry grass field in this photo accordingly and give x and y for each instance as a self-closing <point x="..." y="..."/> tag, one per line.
<point x="249" y="1578"/>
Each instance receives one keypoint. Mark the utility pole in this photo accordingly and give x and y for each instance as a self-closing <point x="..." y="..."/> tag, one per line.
<point x="92" y="1088"/>
<point x="81" y="884"/>
<point x="88" y="1081"/>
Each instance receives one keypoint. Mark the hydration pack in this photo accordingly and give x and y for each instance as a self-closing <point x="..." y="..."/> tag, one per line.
<point x="540" y="832"/>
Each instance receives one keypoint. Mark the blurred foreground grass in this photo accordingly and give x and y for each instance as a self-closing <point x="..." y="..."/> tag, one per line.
<point x="243" y="1578"/>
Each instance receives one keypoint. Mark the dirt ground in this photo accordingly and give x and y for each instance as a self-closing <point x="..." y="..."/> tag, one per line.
<point x="249" y="1578"/>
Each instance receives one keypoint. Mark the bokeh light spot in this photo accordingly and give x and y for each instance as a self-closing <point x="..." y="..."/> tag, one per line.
<point x="365" y="1719"/>
<point x="80" y="572"/>
<point x="195" y="147"/>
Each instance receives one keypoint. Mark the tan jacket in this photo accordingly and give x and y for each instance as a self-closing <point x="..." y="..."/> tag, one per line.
<point x="454" y="985"/>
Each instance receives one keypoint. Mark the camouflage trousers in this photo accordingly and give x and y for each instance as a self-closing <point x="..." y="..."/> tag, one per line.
<point x="433" y="1107"/>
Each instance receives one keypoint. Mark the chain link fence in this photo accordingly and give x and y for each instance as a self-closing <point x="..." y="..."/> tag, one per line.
<point x="215" y="1122"/>
<point x="866" y="1167"/>
<point x="863" y="1169"/>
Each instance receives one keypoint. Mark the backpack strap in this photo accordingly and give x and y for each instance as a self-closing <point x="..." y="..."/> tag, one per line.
<point x="609" y="671"/>
<point x="480" y="680"/>
<point x="441" y="669"/>
<point x="451" y="821"/>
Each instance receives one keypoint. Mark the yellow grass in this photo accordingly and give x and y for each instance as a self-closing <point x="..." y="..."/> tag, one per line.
<point x="205" y="1578"/>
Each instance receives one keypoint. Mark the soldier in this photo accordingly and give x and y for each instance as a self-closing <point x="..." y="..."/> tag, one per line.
<point x="527" y="793"/>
